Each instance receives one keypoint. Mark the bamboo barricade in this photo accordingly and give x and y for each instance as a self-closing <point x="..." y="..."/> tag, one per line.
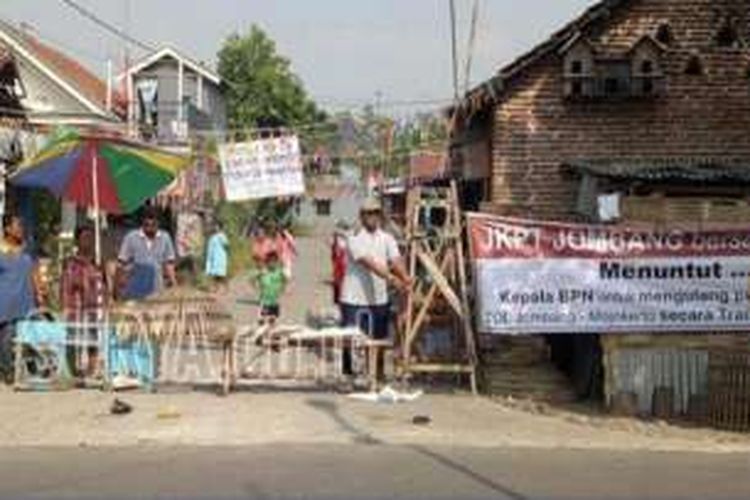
<point x="296" y="353"/>
<point x="257" y="353"/>
<point x="177" y="317"/>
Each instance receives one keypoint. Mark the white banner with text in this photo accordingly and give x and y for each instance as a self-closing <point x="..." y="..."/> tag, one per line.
<point x="539" y="277"/>
<point x="265" y="168"/>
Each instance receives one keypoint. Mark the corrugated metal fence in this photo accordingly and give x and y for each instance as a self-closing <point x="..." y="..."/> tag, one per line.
<point x="729" y="389"/>
<point x="642" y="371"/>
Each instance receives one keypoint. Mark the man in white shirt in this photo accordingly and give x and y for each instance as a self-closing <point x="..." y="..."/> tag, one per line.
<point x="374" y="262"/>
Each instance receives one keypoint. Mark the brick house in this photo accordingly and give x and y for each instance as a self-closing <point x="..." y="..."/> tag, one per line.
<point x="651" y="88"/>
<point x="649" y="99"/>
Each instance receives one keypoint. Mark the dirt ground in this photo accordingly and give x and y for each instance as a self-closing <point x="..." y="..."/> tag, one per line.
<point x="258" y="416"/>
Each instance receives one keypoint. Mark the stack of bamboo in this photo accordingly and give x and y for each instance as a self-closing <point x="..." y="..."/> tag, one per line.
<point x="519" y="367"/>
<point x="174" y="314"/>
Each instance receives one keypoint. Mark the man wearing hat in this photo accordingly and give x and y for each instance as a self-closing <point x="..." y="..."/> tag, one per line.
<point x="374" y="262"/>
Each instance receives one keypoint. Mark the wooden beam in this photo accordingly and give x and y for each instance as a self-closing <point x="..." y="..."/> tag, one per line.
<point x="441" y="368"/>
<point x="442" y="283"/>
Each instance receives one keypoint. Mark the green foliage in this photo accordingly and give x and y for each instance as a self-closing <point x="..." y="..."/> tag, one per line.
<point x="47" y="222"/>
<point x="236" y="217"/>
<point x="262" y="89"/>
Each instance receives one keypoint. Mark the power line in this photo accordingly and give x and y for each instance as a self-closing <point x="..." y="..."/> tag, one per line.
<point x="382" y="103"/>
<point x="106" y="25"/>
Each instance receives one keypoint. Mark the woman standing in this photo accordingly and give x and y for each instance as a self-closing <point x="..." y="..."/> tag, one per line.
<point x="338" y="257"/>
<point x="273" y="240"/>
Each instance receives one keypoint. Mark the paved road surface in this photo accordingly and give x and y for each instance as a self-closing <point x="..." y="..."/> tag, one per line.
<point x="367" y="470"/>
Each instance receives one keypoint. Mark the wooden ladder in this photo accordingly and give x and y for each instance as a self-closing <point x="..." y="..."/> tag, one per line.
<point x="437" y="265"/>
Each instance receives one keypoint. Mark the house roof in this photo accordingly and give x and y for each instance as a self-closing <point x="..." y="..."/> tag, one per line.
<point x="6" y="56"/>
<point x="66" y="71"/>
<point x="8" y="70"/>
<point x="491" y="89"/>
<point x="8" y="78"/>
<point x="175" y="54"/>
<point x="666" y="170"/>
<point x="428" y="165"/>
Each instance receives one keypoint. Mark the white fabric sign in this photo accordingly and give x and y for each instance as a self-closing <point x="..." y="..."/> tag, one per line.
<point x="265" y="168"/>
<point x="538" y="277"/>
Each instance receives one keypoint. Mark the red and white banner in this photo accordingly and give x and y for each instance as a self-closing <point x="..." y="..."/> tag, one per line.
<point x="540" y="277"/>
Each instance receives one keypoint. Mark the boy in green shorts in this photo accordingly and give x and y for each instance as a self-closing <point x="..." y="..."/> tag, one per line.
<point x="271" y="283"/>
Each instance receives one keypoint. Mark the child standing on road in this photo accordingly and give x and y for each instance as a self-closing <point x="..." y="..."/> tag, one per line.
<point x="217" y="257"/>
<point x="271" y="282"/>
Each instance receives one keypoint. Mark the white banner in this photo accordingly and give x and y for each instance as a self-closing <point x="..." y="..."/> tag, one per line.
<point x="265" y="168"/>
<point x="534" y="277"/>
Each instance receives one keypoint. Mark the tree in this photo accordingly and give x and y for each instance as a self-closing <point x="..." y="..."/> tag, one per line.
<point x="262" y="90"/>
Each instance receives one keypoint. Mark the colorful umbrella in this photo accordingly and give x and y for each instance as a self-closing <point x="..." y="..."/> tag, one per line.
<point x="100" y="171"/>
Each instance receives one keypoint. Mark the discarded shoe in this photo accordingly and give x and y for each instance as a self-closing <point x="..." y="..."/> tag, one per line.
<point x="421" y="420"/>
<point x="120" y="407"/>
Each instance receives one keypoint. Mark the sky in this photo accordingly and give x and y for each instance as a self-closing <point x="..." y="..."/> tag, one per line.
<point x="347" y="52"/>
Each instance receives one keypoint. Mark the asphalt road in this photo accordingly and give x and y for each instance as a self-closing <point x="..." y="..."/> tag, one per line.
<point x="366" y="470"/>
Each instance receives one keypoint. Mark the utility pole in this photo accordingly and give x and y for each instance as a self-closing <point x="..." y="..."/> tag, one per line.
<point x="130" y="93"/>
<point x="454" y="49"/>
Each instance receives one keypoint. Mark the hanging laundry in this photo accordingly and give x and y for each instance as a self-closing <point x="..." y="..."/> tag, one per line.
<point x="148" y="97"/>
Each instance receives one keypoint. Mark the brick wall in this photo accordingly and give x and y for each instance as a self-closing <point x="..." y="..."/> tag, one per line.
<point x="536" y="129"/>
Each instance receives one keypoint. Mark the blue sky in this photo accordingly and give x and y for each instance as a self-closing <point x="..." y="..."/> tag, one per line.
<point x="345" y="51"/>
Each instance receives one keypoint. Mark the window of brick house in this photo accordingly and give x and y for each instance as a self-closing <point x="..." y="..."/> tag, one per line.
<point x="646" y="78"/>
<point x="728" y="36"/>
<point x="694" y="66"/>
<point x="578" y="66"/>
<point x="614" y="79"/>
<point x="664" y="34"/>
<point x="576" y="83"/>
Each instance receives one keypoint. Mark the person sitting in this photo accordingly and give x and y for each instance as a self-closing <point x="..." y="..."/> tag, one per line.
<point x="147" y="255"/>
